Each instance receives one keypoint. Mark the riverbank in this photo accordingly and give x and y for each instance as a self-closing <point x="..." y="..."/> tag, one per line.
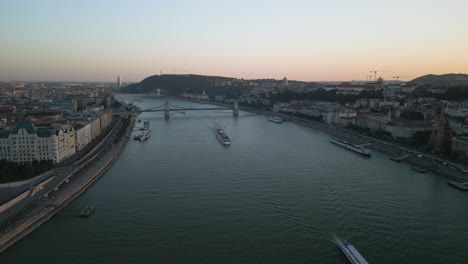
<point x="84" y="174"/>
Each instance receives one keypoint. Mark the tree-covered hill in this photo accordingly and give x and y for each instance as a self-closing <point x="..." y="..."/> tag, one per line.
<point x="174" y="84"/>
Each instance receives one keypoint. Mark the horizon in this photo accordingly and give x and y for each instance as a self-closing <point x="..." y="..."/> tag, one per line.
<point x="253" y="79"/>
<point x="311" y="41"/>
<point x="278" y="79"/>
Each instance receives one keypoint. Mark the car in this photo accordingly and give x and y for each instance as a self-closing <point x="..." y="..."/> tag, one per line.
<point x="45" y="196"/>
<point x="419" y="156"/>
<point x="67" y="181"/>
<point x="56" y="189"/>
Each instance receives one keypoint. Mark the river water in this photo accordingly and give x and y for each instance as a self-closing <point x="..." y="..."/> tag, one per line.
<point x="278" y="194"/>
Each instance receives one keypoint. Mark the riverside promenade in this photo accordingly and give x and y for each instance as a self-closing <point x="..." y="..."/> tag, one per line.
<point x="81" y="175"/>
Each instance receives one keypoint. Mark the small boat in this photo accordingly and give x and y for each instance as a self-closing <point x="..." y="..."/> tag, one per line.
<point x="89" y="210"/>
<point x="275" y="119"/>
<point x="399" y="159"/>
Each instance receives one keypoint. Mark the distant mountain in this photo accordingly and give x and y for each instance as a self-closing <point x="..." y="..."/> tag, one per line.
<point x="451" y="79"/>
<point x="174" y="84"/>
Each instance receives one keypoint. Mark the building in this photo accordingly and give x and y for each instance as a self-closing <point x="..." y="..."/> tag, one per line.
<point x="83" y="135"/>
<point x="106" y="119"/>
<point x="460" y="145"/>
<point x="64" y="143"/>
<point x="284" y="83"/>
<point x="74" y="106"/>
<point x="374" y="122"/>
<point x="408" y="88"/>
<point x="26" y="143"/>
<point x="95" y="123"/>
<point x="119" y="82"/>
<point x="403" y="128"/>
<point x="443" y="133"/>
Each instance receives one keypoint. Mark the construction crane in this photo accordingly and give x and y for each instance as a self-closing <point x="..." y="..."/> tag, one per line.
<point x="375" y="73"/>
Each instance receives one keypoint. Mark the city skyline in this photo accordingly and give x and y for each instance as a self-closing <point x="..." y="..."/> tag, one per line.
<point x="302" y="40"/>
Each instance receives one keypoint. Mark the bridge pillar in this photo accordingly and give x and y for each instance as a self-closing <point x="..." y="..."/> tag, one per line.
<point x="235" y="108"/>
<point x="167" y="110"/>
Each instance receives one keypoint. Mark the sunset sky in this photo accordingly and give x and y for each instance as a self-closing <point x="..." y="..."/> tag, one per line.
<point x="95" y="40"/>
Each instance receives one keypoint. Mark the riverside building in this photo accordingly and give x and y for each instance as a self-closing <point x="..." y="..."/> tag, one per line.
<point x="26" y="143"/>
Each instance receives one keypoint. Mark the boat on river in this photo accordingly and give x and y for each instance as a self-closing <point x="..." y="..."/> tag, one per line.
<point x="275" y="119"/>
<point x="89" y="210"/>
<point x="222" y="136"/>
<point x="419" y="169"/>
<point x="351" y="253"/>
<point x="145" y="134"/>
<point x="347" y="145"/>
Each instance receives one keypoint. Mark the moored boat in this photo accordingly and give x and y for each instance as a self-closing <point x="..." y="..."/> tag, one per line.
<point x="462" y="186"/>
<point x="276" y="119"/>
<point x="419" y="169"/>
<point x="145" y="134"/>
<point x="347" y="145"/>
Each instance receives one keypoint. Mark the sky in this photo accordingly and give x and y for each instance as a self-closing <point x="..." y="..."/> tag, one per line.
<point x="309" y="40"/>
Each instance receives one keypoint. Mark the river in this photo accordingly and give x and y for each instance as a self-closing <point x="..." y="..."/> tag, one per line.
<point x="278" y="194"/>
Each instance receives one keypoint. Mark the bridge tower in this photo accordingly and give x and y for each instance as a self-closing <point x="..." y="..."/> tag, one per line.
<point x="235" y="108"/>
<point x="167" y="110"/>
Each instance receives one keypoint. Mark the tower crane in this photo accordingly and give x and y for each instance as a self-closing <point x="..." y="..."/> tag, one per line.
<point x="375" y="73"/>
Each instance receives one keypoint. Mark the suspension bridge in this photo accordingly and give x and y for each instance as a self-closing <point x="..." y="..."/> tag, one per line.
<point x="168" y="108"/>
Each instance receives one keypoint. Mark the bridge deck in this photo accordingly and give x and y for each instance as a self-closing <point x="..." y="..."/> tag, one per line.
<point x="185" y="109"/>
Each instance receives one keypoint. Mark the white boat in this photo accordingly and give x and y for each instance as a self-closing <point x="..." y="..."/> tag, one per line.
<point x="145" y="134"/>
<point x="223" y="138"/>
<point x="351" y="252"/>
<point x="276" y="119"/>
<point x="347" y="145"/>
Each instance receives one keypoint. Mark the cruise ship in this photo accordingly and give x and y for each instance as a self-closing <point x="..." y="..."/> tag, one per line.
<point x="351" y="252"/>
<point x="355" y="148"/>
<point x="223" y="138"/>
<point x="145" y="134"/>
<point x="275" y="119"/>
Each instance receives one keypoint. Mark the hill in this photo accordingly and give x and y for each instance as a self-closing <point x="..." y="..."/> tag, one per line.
<point x="451" y="79"/>
<point x="174" y="84"/>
